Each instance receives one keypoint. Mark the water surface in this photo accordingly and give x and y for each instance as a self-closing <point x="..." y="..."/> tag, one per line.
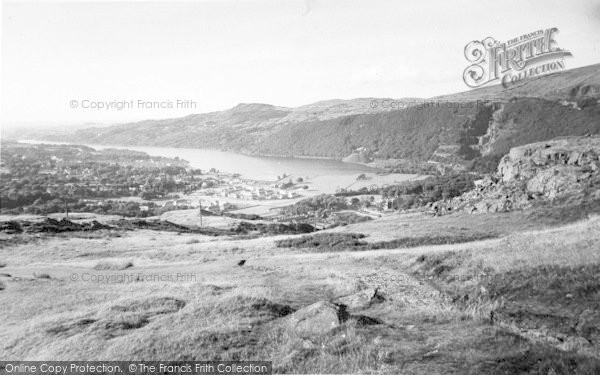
<point x="253" y="167"/>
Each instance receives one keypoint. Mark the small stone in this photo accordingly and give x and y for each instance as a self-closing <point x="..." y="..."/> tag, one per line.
<point x="307" y="344"/>
<point x="430" y="354"/>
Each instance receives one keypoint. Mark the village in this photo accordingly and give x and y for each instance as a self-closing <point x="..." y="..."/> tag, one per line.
<point x="287" y="199"/>
<point x="63" y="178"/>
<point x="219" y="192"/>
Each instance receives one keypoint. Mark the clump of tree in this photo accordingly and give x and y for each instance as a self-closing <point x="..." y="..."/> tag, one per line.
<point x="287" y="185"/>
<point x="40" y="178"/>
<point x="414" y="194"/>
<point x="417" y="193"/>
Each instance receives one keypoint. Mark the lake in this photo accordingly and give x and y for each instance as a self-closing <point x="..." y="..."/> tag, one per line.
<point x="253" y="167"/>
<point x="323" y="176"/>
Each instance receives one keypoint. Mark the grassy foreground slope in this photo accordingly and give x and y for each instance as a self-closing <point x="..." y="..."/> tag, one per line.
<point x="220" y="310"/>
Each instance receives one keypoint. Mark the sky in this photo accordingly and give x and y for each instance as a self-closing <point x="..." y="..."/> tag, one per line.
<point x="62" y="60"/>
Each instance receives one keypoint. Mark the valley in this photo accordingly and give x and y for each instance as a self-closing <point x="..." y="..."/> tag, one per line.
<point x="470" y="130"/>
<point x="465" y="239"/>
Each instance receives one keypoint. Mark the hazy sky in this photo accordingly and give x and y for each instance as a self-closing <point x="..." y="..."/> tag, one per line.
<point x="286" y="53"/>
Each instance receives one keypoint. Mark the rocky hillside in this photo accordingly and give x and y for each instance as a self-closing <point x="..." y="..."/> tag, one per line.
<point x="544" y="171"/>
<point x="454" y="130"/>
<point x="570" y="85"/>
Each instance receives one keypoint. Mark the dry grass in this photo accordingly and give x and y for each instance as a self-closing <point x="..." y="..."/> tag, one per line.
<point x="232" y="312"/>
<point x="107" y="265"/>
<point x="568" y="246"/>
<point x="542" y="283"/>
<point x="422" y="225"/>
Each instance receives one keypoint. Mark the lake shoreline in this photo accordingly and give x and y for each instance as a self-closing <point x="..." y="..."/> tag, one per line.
<point x="324" y="176"/>
<point x="258" y="155"/>
<point x="250" y="166"/>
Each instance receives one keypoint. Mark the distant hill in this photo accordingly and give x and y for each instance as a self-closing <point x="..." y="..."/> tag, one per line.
<point x="448" y="130"/>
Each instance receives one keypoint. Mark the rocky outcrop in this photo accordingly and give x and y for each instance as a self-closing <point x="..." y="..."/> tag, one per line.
<point x="499" y="127"/>
<point x="543" y="170"/>
<point x="554" y="168"/>
<point x="525" y="162"/>
<point x="560" y="328"/>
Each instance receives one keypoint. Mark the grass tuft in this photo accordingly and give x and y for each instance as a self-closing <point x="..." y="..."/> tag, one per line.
<point x="113" y="265"/>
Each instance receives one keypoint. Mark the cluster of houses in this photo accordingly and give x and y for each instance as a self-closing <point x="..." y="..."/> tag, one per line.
<point x="238" y="188"/>
<point x="257" y="193"/>
<point x="214" y="206"/>
<point x="179" y="203"/>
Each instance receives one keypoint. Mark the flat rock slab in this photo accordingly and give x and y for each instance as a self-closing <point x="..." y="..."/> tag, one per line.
<point x="361" y="300"/>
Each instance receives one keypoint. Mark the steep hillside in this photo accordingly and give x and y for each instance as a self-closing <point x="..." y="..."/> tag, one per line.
<point x="411" y="133"/>
<point x="569" y="84"/>
<point x="527" y="120"/>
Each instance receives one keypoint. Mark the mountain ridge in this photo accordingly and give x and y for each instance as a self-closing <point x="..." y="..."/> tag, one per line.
<point x="449" y="130"/>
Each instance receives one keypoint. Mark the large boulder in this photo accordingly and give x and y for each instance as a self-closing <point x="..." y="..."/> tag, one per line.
<point x="317" y="319"/>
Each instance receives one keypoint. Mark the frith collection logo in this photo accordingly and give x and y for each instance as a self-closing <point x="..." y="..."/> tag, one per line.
<point x="529" y="55"/>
